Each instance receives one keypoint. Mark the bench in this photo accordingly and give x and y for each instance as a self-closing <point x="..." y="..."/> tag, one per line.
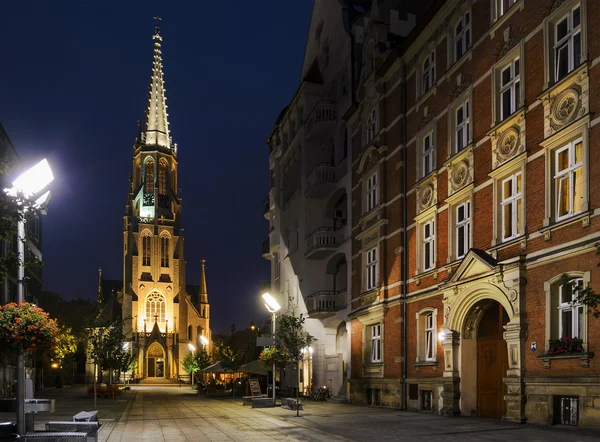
<point x="262" y="402"/>
<point x="55" y="436"/>
<point x="291" y="403"/>
<point x="247" y="400"/>
<point x="86" y="416"/>
<point x="105" y="390"/>
<point x="7" y="430"/>
<point x="90" y="428"/>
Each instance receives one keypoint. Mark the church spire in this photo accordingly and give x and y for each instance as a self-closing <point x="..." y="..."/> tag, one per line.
<point x="203" y="292"/>
<point x="157" y="126"/>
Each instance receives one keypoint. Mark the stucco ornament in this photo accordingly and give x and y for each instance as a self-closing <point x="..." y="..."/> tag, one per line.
<point x="426" y="196"/>
<point x="565" y="108"/>
<point x="460" y="174"/>
<point x="508" y="144"/>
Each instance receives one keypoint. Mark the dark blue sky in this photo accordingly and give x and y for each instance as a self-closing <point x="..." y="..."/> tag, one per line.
<point x="74" y="80"/>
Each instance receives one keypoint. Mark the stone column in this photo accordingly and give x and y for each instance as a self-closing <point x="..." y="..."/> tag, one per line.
<point x="451" y="393"/>
<point x="515" y="398"/>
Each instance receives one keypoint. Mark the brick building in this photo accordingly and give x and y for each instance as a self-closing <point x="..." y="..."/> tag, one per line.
<point x="474" y="203"/>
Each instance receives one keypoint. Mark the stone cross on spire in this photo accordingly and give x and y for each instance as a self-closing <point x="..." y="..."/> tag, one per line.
<point x="157" y="126"/>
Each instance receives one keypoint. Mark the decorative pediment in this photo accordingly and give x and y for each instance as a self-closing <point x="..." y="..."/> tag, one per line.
<point x="370" y="157"/>
<point x="463" y="83"/>
<point x="475" y="263"/>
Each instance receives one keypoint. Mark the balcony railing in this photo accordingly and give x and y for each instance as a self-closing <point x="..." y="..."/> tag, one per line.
<point x="322" y="114"/>
<point x="326" y="303"/>
<point x="325" y="239"/>
<point x="320" y="179"/>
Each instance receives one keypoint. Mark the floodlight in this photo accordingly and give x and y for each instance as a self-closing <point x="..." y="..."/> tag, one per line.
<point x="270" y="302"/>
<point x="191" y="347"/>
<point x="203" y="340"/>
<point x="34" y="180"/>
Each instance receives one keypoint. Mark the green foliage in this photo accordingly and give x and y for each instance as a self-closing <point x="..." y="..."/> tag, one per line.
<point x="25" y="327"/>
<point x="190" y="363"/>
<point x="586" y="296"/>
<point x="204" y="359"/>
<point x="273" y="355"/>
<point x="66" y="344"/>
<point x="290" y="335"/>
<point x="230" y="358"/>
<point x="105" y="345"/>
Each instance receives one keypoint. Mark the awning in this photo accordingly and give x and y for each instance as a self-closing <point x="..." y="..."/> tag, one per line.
<point x="254" y="367"/>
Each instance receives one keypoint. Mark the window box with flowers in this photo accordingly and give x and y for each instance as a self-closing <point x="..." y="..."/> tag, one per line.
<point x="566" y="348"/>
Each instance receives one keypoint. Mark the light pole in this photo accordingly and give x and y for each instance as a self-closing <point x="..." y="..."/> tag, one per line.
<point x="273" y="307"/>
<point x="192" y="349"/>
<point x="27" y="189"/>
<point x="204" y="343"/>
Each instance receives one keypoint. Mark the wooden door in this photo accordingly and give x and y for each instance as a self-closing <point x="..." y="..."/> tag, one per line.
<point x="151" y="372"/>
<point x="491" y="368"/>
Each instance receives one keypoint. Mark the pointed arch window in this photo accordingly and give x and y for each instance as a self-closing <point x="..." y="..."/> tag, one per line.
<point x="146" y="249"/>
<point x="149" y="177"/>
<point x="164" y="251"/>
<point x="155" y="308"/>
<point x="162" y="178"/>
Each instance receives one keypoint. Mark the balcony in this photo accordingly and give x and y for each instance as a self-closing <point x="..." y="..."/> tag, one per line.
<point x="321" y="120"/>
<point x="323" y="178"/>
<point x="324" y="241"/>
<point x="266" y="209"/>
<point x="325" y="303"/>
<point x="266" y="249"/>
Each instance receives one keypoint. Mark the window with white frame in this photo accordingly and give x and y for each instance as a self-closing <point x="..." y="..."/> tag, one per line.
<point x="372" y="125"/>
<point x="570" y="310"/>
<point x="429" y="337"/>
<point x="502" y="6"/>
<point x="428" y="150"/>
<point x="511" y="203"/>
<point x="463" y="228"/>
<point x="462" y="35"/>
<point x="371" y="269"/>
<point x="461" y="128"/>
<point x="428" y="72"/>
<point x="510" y="88"/>
<point x="567" y="42"/>
<point x="428" y="245"/>
<point x="372" y="192"/>
<point x="376" y="343"/>
<point x="426" y="335"/>
<point x="568" y="180"/>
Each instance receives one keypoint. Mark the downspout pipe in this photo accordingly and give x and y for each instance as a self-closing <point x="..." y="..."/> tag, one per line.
<point x="404" y="287"/>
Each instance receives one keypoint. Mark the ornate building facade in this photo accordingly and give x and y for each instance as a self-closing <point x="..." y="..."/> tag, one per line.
<point x="476" y="204"/>
<point x="163" y="318"/>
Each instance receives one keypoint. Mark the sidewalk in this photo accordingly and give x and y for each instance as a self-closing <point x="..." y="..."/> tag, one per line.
<point x="71" y="400"/>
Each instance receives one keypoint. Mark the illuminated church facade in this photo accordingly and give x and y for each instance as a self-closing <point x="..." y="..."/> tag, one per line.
<point x="163" y="318"/>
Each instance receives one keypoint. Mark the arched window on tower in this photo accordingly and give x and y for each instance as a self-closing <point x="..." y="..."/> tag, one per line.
<point x="190" y="331"/>
<point x="155" y="308"/>
<point x="149" y="177"/>
<point x="146" y="249"/>
<point x="162" y="178"/>
<point x="164" y="251"/>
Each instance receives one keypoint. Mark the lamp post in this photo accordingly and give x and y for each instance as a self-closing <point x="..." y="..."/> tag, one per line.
<point x="273" y="307"/>
<point x="27" y="188"/>
<point x="204" y="342"/>
<point x="192" y="350"/>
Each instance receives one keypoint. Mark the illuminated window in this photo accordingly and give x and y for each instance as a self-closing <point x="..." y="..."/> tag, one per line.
<point x="567" y="42"/>
<point x="568" y="179"/>
<point x="155" y="308"/>
<point x="149" y="177"/>
<point x="162" y="178"/>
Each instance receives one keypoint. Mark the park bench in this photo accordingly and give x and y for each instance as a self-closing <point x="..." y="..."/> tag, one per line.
<point x="7" y="431"/>
<point x="262" y="402"/>
<point x="247" y="400"/>
<point x="90" y="428"/>
<point x="291" y="403"/>
<point x="54" y="436"/>
<point x="86" y="416"/>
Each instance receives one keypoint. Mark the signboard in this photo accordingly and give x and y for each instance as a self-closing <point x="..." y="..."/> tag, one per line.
<point x="254" y="387"/>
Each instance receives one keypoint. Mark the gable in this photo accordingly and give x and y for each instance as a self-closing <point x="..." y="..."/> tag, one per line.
<point x="475" y="263"/>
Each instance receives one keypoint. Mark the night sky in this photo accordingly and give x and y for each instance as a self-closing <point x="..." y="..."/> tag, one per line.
<point x="74" y="80"/>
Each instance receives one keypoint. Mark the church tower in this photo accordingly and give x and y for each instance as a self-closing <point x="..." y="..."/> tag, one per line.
<point x="161" y="319"/>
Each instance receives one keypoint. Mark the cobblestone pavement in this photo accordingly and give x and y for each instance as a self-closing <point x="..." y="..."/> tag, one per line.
<point x="179" y="414"/>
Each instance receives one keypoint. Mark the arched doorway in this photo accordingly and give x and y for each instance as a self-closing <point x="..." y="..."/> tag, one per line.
<point x="484" y="360"/>
<point x="155" y="361"/>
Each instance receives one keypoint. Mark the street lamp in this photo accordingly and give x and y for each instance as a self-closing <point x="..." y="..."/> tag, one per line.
<point x="27" y="188"/>
<point x="273" y="307"/>
<point x="203" y="340"/>
<point x="192" y="349"/>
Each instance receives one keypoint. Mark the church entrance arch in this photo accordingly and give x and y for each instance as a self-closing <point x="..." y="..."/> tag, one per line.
<point x="155" y="361"/>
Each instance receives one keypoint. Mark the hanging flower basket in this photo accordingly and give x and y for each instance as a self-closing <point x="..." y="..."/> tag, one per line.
<point x="25" y="328"/>
<point x="565" y="345"/>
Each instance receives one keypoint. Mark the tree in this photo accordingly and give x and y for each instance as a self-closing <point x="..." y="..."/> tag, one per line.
<point x="204" y="359"/>
<point x="190" y="364"/>
<point x="66" y="344"/>
<point x="230" y="358"/>
<point x="290" y="338"/>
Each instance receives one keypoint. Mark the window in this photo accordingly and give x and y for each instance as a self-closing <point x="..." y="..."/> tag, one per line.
<point x="162" y="178"/>
<point x="149" y="177"/>
<point x="372" y="269"/>
<point x="429" y="337"/>
<point x="461" y="128"/>
<point x="568" y="180"/>
<point x="503" y="5"/>
<point x="512" y="206"/>
<point x="463" y="228"/>
<point x="372" y="125"/>
<point x="429" y="245"/>
<point x="371" y="192"/>
<point x="462" y="36"/>
<point x="376" y="343"/>
<point x="567" y="43"/>
<point x="570" y="310"/>
<point x="510" y="89"/>
<point x="155" y="308"/>
<point x="146" y="249"/>
<point x="428" y="72"/>
<point x="428" y="154"/>
<point x="164" y="251"/>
